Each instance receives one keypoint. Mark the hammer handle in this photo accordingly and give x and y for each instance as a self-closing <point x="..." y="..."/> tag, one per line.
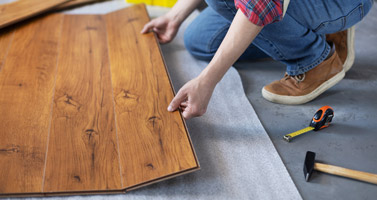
<point x="349" y="173"/>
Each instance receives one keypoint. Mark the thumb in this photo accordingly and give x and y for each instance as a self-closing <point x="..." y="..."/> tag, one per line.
<point x="147" y="27"/>
<point x="177" y="100"/>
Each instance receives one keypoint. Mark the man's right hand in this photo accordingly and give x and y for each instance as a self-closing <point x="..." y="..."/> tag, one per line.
<point x="165" y="27"/>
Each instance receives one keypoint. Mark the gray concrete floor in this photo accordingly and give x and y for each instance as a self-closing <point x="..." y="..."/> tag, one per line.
<point x="351" y="140"/>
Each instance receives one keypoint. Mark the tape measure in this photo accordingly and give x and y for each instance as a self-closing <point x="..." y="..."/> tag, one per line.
<point x="321" y="119"/>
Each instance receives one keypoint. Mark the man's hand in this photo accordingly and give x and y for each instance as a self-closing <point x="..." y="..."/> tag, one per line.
<point x="165" y="27"/>
<point x="193" y="98"/>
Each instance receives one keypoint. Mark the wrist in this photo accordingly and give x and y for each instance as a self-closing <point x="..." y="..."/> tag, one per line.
<point x="215" y="70"/>
<point x="208" y="79"/>
<point x="175" y="17"/>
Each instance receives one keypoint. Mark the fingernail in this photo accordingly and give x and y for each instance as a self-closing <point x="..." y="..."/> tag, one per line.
<point x="170" y="109"/>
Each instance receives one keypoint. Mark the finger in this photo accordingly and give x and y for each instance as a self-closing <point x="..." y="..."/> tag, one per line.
<point x="162" y="36"/>
<point x="183" y="108"/>
<point x="159" y="38"/>
<point x="184" y="104"/>
<point x="147" y="27"/>
<point x="177" y="100"/>
<point x="163" y="39"/>
<point x="187" y="113"/>
<point x="156" y="29"/>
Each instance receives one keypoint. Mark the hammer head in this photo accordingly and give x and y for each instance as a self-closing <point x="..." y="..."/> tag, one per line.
<point x="309" y="164"/>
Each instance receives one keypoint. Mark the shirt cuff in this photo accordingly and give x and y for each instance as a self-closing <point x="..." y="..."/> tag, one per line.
<point x="261" y="12"/>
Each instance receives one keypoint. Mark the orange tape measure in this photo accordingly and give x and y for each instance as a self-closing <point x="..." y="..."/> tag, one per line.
<point x="321" y="119"/>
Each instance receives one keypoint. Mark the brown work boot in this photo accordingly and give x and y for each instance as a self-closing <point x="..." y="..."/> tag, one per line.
<point x="344" y="44"/>
<point x="305" y="87"/>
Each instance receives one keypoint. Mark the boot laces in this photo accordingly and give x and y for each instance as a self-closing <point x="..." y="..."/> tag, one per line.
<point x="298" y="78"/>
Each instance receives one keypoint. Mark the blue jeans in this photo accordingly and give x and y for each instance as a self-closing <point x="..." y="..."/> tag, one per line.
<point x="298" y="40"/>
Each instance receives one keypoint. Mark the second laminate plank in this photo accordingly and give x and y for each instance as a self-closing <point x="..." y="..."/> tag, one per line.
<point x="75" y="3"/>
<point x="153" y="143"/>
<point x="83" y="152"/>
<point x="19" y="10"/>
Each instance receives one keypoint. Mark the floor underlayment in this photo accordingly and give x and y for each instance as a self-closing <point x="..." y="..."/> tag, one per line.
<point x="238" y="159"/>
<point x="351" y="139"/>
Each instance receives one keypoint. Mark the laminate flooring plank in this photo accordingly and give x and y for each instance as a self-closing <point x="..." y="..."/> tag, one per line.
<point x="13" y="12"/>
<point x="75" y="3"/>
<point x="26" y="89"/>
<point x="83" y="150"/>
<point x="6" y="37"/>
<point x="153" y="143"/>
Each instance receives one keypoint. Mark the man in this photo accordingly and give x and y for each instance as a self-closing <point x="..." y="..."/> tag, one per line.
<point x="249" y="29"/>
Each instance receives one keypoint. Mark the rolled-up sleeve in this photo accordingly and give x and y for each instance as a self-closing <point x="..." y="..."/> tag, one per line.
<point x="261" y="12"/>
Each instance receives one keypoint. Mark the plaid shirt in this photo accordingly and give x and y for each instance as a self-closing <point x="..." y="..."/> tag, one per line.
<point x="261" y="12"/>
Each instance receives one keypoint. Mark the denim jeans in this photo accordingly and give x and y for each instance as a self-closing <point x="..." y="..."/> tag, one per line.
<point x="298" y="40"/>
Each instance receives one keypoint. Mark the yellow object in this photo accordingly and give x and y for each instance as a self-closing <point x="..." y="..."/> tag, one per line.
<point x="288" y="137"/>
<point x="164" y="3"/>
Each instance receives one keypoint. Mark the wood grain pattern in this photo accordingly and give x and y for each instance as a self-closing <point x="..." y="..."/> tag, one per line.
<point x="83" y="151"/>
<point x="22" y="9"/>
<point x="83" y="107"/>
<point x="6" y="37"/>
<point x="26" y="88"/>
<point x="153" y="142"/>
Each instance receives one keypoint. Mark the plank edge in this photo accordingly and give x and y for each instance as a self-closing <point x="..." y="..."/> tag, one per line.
<point x="163" y="178"/>
<point x="22" y="18"/>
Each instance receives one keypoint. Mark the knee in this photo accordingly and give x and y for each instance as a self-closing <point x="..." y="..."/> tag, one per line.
<point x="188" y="37"/>
<point x="193" y="41"/>
<point x="367" y="5"/>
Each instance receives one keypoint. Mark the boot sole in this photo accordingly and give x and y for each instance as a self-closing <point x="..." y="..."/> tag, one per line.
<point x="350" y="49"/>
<point x="292" y="100"/>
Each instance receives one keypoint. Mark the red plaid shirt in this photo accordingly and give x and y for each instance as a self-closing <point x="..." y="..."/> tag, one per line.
<point x="261" y="12"/>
